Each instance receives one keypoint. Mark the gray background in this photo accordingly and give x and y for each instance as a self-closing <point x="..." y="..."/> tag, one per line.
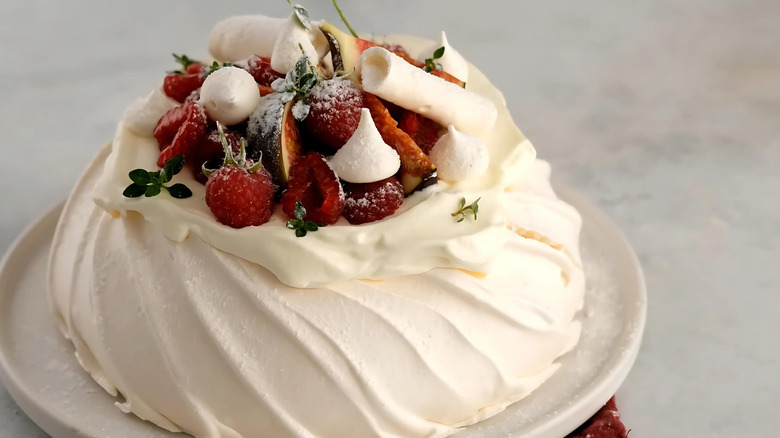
<point x="665" y="113"/>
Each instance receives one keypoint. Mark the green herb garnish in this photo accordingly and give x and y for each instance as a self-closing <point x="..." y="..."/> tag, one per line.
<point x="185" y="61"/>
<point x="344" y="19"/>
<point x="299" y="224"/>
<point x="150" y="184"/>
<point x="216" y="66"/>
<point x="431" y="64"/>
<point x="464" y="210"/>
<point x="298" y="81"/>
<point x="301" y="14"/>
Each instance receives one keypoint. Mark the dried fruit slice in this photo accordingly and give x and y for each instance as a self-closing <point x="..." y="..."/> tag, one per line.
<point x="424" y="131"/>
<point x="314" y="184"/>
<point x="273" y="136"/>
<point x="417" y="171"/>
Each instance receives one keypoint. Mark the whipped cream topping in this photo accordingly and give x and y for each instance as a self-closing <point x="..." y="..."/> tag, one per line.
<point x="458" y="156"/>
<point x="229" y="95"/>
<point x="392" y="78"/>
<point x="287" y="49"/>
<point x="365" y="157"/>
<point x="143" y="114"/>
<point x="420" y="236"/>
<point x="451" y="61"/>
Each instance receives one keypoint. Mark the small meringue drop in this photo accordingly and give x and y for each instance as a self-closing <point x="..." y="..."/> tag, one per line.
<point x="365" y="157"/>
<point x="459" y="156"/>
<point x="229" y="95"/>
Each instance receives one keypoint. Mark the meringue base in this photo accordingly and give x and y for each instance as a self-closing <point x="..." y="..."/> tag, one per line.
<point x="197" y="340"/>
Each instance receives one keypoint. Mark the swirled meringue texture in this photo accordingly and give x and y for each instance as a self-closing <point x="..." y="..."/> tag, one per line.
<point x="198" y="339"/>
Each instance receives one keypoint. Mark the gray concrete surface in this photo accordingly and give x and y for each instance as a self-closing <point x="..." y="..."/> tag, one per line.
<point x="665" y="113"/>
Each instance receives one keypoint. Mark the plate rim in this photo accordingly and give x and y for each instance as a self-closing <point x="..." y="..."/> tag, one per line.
<point x="587" y="401"/>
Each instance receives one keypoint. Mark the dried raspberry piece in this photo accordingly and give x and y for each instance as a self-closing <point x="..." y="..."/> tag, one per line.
<point x="424" y="131"/>
<point x="239" y="198"/>
<point x="180" y="131"/>
<point x="260" y="69"/>
<point x="265" y="90"/>
<point x="372" y="201"/>
<point x="334" y="113"/>
<point x="604" y="424"/>
<point x="314" y="184"/>
<point x="180" y="86"/>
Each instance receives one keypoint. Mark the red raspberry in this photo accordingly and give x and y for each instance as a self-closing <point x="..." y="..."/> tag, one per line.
<point x="424" y="131"/>
<point x="210" y="149"/>
<point x="314" y="184"/>
<point x="238" y="198"/>
<point x="335" y="111"/>
<point x="196" y="69"/>
<point x="180" y="131"/>
<point x="179" y="87"/>
<point x="372" y="201"/>
<point x="604" y="424"/>
<point x="260" y="69"/>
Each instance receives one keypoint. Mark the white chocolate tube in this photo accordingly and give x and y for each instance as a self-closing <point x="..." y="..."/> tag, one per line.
<point x="393" y="79"/>
<point x="239" y="37"/>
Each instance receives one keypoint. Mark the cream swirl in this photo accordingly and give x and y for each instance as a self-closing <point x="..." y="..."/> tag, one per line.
<point x="411" y="356"/>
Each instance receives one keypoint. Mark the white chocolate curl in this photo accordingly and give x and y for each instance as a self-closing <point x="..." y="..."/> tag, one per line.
<point x="237" y="38"/>
<point x="395" y="80"/>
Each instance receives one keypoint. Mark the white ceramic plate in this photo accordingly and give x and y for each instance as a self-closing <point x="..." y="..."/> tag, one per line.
<point x="39" y="369"/>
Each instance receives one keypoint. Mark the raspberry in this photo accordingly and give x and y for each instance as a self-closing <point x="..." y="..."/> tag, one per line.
<point x="196" y="69"/>
<point x="372" y="201"/>
<point x="314" y="184"/>
<point x="604" y="424"/>
<point x="180" y="131"/>
<point x="238" y="198"/>
<point x="335" y="111"/>
<point x="260" y="69"/>
<point x="424" y="131"/>
<point x="179" y="87"/>
<point x="210" y="150"/>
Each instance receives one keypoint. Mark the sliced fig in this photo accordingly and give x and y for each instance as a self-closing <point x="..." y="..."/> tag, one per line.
<point x="273" y="134"/>
<point x="417" y="171"/>
<point x="344" y="48"/>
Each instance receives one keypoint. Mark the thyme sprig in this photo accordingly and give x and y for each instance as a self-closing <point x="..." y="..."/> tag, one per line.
<point x="431" y="64"/>
<point x="298" y="81"/>
<point x="464" y="210"/>
<point x="300" y="224"/>
<point x="150" y="184"/>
